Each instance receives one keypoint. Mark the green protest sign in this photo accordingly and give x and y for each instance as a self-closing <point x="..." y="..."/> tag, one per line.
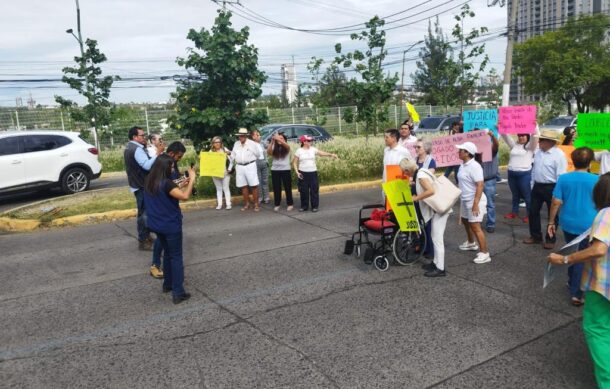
<point x="593" y="131"/>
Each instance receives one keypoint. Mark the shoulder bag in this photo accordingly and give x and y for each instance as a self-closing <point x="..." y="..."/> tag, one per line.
<point x="446" y="194"/>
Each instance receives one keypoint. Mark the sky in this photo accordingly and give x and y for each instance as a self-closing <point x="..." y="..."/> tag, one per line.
<point x="142" y="39"/>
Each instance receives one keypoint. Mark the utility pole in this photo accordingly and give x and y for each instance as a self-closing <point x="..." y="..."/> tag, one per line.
<point x="512" y="29"/>
<point x="402" y="78"/>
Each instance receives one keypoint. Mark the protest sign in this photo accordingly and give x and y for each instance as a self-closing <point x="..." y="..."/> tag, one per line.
<point x="412" y="112"/>
<point x="212" y="164"/>
<point x="393" y="172"/>
<point x="398" y="193"/>
<point x="567" y="151"/>
<point x="482" y="118"/>
<point x="593" y="131"/>
<point x="519" y="119"/>
<point x="445" y="153"/>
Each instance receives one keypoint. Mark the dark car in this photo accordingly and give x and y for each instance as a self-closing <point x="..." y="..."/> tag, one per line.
<point x="436" y="124"/>
<point x="294" y="131"/>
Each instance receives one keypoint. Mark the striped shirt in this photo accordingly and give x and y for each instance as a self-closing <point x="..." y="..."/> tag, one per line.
<point x="596" y="273"/>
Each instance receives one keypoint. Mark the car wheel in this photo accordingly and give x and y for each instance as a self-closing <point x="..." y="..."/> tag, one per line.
<point x="75" y="180"/>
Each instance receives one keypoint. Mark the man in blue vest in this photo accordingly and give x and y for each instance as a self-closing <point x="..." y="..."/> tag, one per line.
<point x="137" y="165"/>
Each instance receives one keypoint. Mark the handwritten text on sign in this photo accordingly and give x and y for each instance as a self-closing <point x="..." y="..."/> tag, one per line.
<point x="446" y="154"/>
<point x="593" y="131"/>
<point x="482" y="118"/>
<point x="520" y="119"/>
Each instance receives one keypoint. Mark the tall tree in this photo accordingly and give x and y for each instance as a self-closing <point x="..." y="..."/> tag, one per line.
<point x="332" y="89"/>
<point x="469" y="52"/>
<point x="372" y="88"/>
<point x="437" y="74"/>
<point x="569" y="64"/>
<point x="87" y="80"/>
<point x="213" y="101"/>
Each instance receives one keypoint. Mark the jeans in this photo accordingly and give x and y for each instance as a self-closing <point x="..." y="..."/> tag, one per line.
<point x="520" y="186"/>
<point x="453" y="169"/>
<point x="489" y="188"/>
<point x="541" y="194"/>
<point x="309" y="188"/>
<point x="263" y="179"/>
<point x="173" y="267"/>
<point x="279" y="178"/>
<point x="575" y="271"/>
<point x="143" y="231"/>
<point x="157" y="251"/>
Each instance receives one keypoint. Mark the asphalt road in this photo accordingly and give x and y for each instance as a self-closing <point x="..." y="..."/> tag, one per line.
<point x="8" y="202"/>
<point x="277" y="304"/>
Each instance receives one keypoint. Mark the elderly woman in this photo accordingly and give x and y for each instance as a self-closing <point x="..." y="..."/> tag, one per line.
<point x="596" y="282"/>
<point x="473" y="202"/>
<point x="424" y="188"/>
<point x="424" y="157"/>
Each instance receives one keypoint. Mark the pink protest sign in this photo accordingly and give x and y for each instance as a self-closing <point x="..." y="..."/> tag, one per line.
<point x="519" y="119"/>
<point x="445" y="153"/>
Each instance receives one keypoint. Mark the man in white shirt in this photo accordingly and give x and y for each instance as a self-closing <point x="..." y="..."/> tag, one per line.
<point x="245" y="153"/>
<point x="394" y="152"/>
<point x="549" y="163"/>
<point x="406" y="137"/>
<point x="604" y="160"/>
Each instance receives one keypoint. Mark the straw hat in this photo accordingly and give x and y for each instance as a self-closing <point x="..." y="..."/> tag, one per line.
<point x="550" y="135"/>
<point x="242" y="131"/>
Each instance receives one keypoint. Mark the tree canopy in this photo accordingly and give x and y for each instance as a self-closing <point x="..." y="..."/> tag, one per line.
<point x="569" y="64"/>
<point x="224" y="76"/>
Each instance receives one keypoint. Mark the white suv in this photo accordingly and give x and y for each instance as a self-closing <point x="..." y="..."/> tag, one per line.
<point x="31" y="160"/>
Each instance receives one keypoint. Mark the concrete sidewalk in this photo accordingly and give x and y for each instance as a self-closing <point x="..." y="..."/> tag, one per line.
<point x="276" y="304"/>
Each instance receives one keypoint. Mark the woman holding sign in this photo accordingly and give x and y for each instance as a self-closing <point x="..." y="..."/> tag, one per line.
<point x="474" y="202"/>
<point x="222" y="183"/>
<point x="520" y="171"/>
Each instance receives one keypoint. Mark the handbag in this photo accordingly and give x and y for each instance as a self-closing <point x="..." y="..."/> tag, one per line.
<point x="446" y="194"/>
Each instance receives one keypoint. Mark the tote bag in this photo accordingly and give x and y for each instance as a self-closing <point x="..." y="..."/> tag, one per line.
<point x="445" y="194"/>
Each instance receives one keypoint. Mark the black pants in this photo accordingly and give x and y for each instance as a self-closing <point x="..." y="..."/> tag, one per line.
<point x="309" y="188"/>
<point x="541" y="193"/>
<point x="279" y="178"/>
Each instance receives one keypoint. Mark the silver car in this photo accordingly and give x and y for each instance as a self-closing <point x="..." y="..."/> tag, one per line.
<point x="558" y="123"/>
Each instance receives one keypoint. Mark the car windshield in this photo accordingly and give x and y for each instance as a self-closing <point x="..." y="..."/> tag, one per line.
<point x="268" y="129"/>
<point x="430" y="123"/>
<point x="560" y="121"/>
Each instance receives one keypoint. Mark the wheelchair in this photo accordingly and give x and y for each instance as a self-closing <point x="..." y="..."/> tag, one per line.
<point x="374" y="221"/>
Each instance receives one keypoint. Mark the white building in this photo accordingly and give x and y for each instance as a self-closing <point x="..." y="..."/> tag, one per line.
<point x="289" y="83"/>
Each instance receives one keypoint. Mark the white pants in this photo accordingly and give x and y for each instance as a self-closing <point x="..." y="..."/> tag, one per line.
<point x="438" y="224"/>
<point x="222" y="185"/>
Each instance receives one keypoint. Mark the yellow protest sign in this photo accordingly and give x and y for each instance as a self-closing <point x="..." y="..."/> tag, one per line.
<point x="412" y="112"/>
<point x="398" y="193"/>
<point x="212" y="164"/>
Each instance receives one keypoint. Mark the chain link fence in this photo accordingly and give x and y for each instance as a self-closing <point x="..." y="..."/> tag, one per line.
<point x="156" y="121"/>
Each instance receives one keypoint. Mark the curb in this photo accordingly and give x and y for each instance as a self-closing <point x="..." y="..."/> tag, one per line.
<point x="28" y="225"/>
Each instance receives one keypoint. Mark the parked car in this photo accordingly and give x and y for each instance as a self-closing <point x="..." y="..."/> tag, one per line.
<point x="294" y="131"/>
<point x="32" y="160"/>
<point x="436" y="124"/>
<point x="559" y="123"/>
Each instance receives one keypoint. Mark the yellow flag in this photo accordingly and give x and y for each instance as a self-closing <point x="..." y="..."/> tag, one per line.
<point x="412" y="112"/>
<point x="212" y="164"/>
<point x="398" y="193"/>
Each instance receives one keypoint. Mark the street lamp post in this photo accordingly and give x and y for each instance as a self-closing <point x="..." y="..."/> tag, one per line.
<point x="79" y="39"/>
<point x="402" y="79"/>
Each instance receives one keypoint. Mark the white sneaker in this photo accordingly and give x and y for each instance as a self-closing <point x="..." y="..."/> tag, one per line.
<point x="228" y="206"/>
<point x="276" y="208"/>
<point x="289" y="208"/>
<point x="469" y="246"/>
<point x="219" y="206"/>
<point x="482" y="258"/>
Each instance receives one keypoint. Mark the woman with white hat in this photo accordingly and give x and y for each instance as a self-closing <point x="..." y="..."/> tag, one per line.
<point x="473" y="202"/>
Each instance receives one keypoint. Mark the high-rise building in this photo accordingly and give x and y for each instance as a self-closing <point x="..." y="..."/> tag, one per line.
<point x="535" y="17"/>
<point x="289" y="83"/>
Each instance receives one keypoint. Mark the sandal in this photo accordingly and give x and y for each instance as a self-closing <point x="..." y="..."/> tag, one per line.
<point x="245" y="207"/>
<point x="257" y="208"/>
<point x="577" y="302"/>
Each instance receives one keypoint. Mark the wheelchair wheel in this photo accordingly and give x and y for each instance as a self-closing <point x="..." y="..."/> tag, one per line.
<point x="408" y="247"/>
<point x="381" y="263"/>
